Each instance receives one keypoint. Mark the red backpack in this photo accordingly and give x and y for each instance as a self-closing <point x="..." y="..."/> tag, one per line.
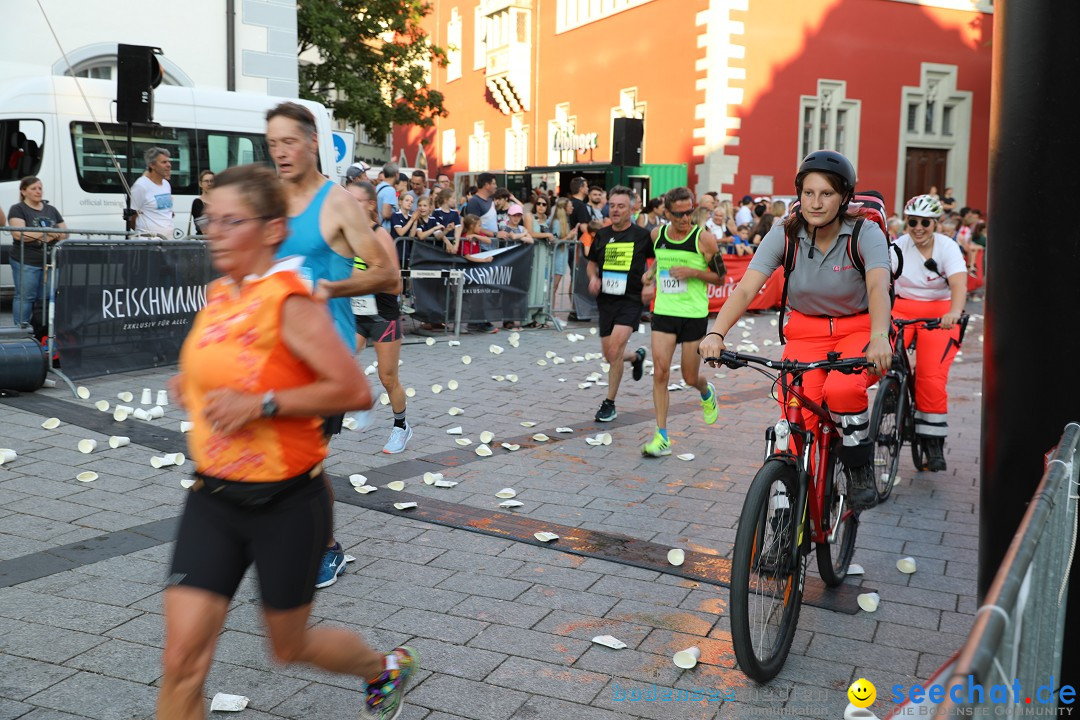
<point x="873" y="209"/>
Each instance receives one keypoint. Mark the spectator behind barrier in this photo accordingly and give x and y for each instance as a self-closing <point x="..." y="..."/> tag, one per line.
<point x="27" y="257"/>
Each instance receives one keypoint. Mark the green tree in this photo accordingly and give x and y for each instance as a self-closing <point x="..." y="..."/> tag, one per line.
<point x="374" y="61"/>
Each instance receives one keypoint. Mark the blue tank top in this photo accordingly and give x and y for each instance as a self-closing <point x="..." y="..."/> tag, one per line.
<point x="321" y="262"/>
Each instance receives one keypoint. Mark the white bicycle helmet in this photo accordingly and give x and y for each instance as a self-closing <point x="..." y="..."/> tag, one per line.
<point x="924" y="206"/>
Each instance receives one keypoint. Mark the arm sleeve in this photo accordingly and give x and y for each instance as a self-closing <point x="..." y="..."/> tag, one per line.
<point x="954" y="257"/>
<point x="138" y="196"/>
<point x="873" y="247"/>
<point x="770" y="254"/>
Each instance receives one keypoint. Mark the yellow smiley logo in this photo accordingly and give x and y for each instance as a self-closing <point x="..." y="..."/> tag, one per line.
<point x="862" y="693"/>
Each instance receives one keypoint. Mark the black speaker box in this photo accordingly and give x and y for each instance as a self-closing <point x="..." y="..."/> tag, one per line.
<point x="138" y="72"/>
<point x="627" y="135"/>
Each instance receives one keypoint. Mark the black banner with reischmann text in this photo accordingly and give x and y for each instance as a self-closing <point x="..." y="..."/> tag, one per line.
<point x="495" y="290"/>
<point x="126" y="305"/>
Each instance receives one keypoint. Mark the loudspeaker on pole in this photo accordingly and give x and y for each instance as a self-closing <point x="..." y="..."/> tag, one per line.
<point x="627" y="134"/>
<point x="138" y="72"/>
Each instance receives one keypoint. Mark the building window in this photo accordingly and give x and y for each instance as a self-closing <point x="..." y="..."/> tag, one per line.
<point x="932" y="107"/>
<point x="913" y="117"/>
<point x="449" y="147"/>
<point x="947" y="120"/>
<point x="480" y="33"/>
<point x="453" y="46"/>
<point x="517" y="143"/>
<point x="830" y="120"/>
<point x="570" y="14"/>
<point x="479" y="149"/>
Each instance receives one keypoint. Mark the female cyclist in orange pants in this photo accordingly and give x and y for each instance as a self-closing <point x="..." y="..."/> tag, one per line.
<point x="933" y="284"/>
<point x="834" y="308"/>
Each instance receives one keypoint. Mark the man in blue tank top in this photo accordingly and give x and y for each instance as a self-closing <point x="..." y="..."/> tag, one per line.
<point x="328" y="229"/>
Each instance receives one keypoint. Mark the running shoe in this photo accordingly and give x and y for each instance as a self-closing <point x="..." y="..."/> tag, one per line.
<point x="484" y="327"/>
<point x="384" y="695"/>
<point x="332" y="565"/>
<point x="708" y="406"/>
<point x="399" y="438"/>
<point x="657" y="447"/>
<point x="935" y="452"/>
<point x="606" y="413"/>
<point x="638" y="363"/>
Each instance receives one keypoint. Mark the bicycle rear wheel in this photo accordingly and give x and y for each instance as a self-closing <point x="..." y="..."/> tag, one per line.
<point x="833" y="558"/>
<point x="767" y="572"/>
<point x="887" y="431"/>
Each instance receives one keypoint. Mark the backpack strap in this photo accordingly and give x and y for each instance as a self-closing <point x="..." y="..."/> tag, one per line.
<point x="791" y="251"/>
<point x="854" y="251"/>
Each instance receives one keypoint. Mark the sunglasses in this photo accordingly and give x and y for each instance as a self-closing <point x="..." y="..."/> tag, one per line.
<point x="916" y="222"/>
<point x="541" y="202"/>
<point x="684" y="213"/>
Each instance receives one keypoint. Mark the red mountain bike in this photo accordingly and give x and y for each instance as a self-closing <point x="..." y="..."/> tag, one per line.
<point x="797" y="499"/>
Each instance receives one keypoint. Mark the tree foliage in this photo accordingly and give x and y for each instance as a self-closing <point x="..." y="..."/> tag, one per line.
<point x="374" y="61"/>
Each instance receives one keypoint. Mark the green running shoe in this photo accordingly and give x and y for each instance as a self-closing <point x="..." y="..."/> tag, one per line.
<point x="708" y="406"/>
<point x="657" y="447"/>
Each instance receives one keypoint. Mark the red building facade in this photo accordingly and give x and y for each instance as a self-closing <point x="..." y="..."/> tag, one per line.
<point x="738" y="90"/>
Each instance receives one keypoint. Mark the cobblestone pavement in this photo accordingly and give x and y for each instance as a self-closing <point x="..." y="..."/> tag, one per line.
<point x="503" y="627"/>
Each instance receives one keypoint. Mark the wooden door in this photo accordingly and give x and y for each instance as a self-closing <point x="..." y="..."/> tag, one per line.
<point x="925" y="169"/>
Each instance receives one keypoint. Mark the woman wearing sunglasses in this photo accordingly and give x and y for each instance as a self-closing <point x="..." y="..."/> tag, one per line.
<point x="933" y="284"/>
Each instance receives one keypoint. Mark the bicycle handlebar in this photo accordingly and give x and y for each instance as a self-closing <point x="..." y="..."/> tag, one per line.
<point x="848" y="366"/>
<point x="935" y="324"/>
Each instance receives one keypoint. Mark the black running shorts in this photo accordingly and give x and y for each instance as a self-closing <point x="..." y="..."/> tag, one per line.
<point x="684" y="329"/>
<point x="285" y="537"/>
<point x="622" y="311"/>
<point x="378" y="329"/>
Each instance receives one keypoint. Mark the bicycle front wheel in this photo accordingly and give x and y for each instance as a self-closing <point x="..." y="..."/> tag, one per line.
<point x="834" y="557"/>
<point x="767" y="572"/>
<point x="887" y="432"/>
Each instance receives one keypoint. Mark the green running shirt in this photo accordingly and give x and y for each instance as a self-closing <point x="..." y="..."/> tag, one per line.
<point x="687" y="298"/>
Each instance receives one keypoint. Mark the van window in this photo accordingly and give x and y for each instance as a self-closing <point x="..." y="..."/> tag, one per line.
<point x="219" y="149"/>
<point x="22" y="143"/>
<point x="95" y="168"/>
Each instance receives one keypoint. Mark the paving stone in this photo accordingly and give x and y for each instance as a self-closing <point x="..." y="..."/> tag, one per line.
<point x="562" y="599"/>
<point x="555" y="649"/>
<point x="62" y="613"/>
<point x="874" y="656"/>
<point x="485" y="585"/>
<point x="517" y="614"/>
<point x="586" y="627"/>
<point x="121" y="659"/>
<point x="42" y="642"/>
<point x="21" y="677"/>
<point x="541" y="678"/>
<point x="471" y="662"/>
<point x="615" y="696"/>
<point x="639" y="590"/>
<point x="660" y="616"/>
<point x="477" y="563"/>
<point x="562" y="577"/>
<point x="10" y="709"/>
<point x="98" y="697"/>
<point x="264" y="689"/>
<point x="436" y="626"/>
<point x="478" y="701"/>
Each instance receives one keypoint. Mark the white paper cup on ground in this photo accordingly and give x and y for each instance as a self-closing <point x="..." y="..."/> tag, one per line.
<point x="156" y="412"/>
<point x="125" y="396"/>
<point x="186" y="426"/>
<point x="176" y="458"/>
<point x="453" y="384"/>
<point x="88" y="476"/>
<point x="146" y="396"/>
<point x="51" y="424"/>
<point x="141" y="414"/>
<point x="83" y="392"/>
<point x="102" y="405"/>
<point x="186" y="483"/>
<point x="224" y="702"/>
<point x="906" y="565"/>
<point x="405" y="505"/>
<point x="162" y="397"/>
<point x="7" y="455"/>
<point x="506" y="493"/>
<point x="87" y="446"/>
<point x="676" y="556"/>
<point x="869" y="601"/>
<point x="609" y="641"/>
<point x="357" y="480"/>
<point x="431" y="478"/>
<point x="119" y="441"/>
<point x="122" y="412"/>
<point x="487" y="436"/>
<point x="158" y="462"/>
<point x="544" y="536"/>
<point x="687" y="658"/>
<point x="396" y="485"/>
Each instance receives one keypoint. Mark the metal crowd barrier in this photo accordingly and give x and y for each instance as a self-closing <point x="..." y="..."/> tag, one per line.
<point x="1019" y="630"/>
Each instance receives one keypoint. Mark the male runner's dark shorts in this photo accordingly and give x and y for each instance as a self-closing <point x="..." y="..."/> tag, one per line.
<point x="684" y="329"/>
<point x="285" y="537"/>
<point x="378" y="329"/>
<point x="621" y="311"/>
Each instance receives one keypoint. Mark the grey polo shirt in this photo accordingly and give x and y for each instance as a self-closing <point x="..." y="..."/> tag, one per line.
<point x="826" y="284"/>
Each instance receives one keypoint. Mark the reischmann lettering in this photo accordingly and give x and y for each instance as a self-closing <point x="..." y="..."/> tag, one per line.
<point x="136" y="302"/>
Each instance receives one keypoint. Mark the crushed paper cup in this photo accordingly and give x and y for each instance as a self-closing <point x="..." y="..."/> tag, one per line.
<point x="162" y="397"/>
<point x="506" y="493"/>
<point x="186" y="483"/>
<point x="410" y="392"/>
<point x="869" y="601"/>
<point x="7" y="455"/>
<point x="83" y="392"/>
<point x="514" y="342"/>
<point x="593" y="377"/>
<point x="430" y="341"/>
<point x="453" y="385"/>
<point x="541" y="362"/>
<point x="370" y="370"/>
<point x="512" y="377"/>
<point x="453" y="343"/>
<point x="857" y="713"/>
<point x="564" y="430"/>
<point x="855" y="569"/>
<point x="495" y="350"/>
<point x="544" y="536"/>
<point x="431" y="478"/>
<point x="528" y="423"/>
<point x="141" y="414"/>
<point x="456" y="411"/>
<point x="583" y="385"/>
<point x="436" y="388"/>
<point x="514" y="335"/>
<point x="145" y="398"/>
<point x="483" y="450"/>
<point x="609" y="641"/>
<point x="463" y="442"/>
<point x="121" y="413"/>
<point x="540" y="437"/>
<point x="357" y="480"/>
<point x="606" y="367"/>
<point x="466" y="360"/>
<point x="511" y="446"/>
<point x="906" y="565"/>
<point x="224" y="702"/>
<point x="51" y="424"/>
<point x="511" y="504"/>
<point x="349" y="423"/>
<point x="88" y="476"/>
<point x="125" y="396"/>
<point x="687" y="658"/>
<point x="156" y="412"/>
<point x="384" y="399"/>
<point x="498" y="378"/>
<point x="686" y="456"/>
<point x="119" y="441"/>
<point x="186" y="426"/>
<point x="445" y="483"/>
<point x="405" y="505"/>
<point x="577" y="358"/>
<point x="365" y="489"/>
<point x="593" y="441"/>
<point x="676" y="556"/>
<point x="592" y="331"/>
<point x="87" y="446"/>
<point x="550" y="354"/>
<point x="487" y="436"/>
<point x="557" y="360"/>
<point x="397" y="485"/>
<point x="49" y="383"/>
<point x="102" y="405"/>
<point x="454" y="430"/>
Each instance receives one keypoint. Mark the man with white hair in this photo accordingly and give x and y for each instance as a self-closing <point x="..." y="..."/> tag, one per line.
<point x="151" y="196"/>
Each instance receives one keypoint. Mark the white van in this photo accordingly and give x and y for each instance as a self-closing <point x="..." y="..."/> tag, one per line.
<point x="46" y="130"/>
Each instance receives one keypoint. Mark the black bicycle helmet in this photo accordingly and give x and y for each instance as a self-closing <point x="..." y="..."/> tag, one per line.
<point x="828" y="161"/>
